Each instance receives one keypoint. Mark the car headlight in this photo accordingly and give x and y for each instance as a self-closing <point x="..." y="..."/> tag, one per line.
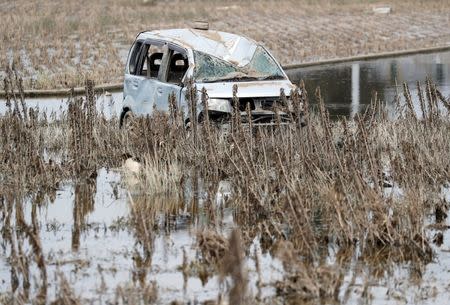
<point x="218" y="104"/>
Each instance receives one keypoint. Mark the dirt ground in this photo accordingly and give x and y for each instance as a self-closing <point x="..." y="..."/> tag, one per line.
<point x="59" y="44"/>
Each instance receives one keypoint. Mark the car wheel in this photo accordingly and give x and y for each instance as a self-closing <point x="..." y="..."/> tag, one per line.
<point x="126" y="119"/>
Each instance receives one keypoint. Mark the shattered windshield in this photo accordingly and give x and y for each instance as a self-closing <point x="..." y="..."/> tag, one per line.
<point x="209" y="68"/>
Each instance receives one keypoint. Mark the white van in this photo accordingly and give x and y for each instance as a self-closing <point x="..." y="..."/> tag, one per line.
<point x="161" y="62"/>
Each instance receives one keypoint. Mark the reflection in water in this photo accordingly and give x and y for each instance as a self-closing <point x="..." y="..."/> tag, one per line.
<point x="347" y="88"/>
<point x="22" y="245"/>
<point x="82" y="206"/>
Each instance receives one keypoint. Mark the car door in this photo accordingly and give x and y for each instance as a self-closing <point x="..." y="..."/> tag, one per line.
<point x="170" y="79"/>
<point x="141" y="82"/>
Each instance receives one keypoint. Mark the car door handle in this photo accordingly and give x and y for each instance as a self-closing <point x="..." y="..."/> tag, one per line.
<point x="159" y="90"/>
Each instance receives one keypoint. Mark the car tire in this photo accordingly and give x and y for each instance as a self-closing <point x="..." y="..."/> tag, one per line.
<point x="126" y="119"/>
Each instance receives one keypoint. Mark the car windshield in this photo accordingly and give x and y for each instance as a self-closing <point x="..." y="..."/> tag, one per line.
<point x="209" y="68"/>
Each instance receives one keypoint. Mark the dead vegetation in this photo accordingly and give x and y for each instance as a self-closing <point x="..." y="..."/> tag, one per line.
<point x="304" y="281"/>
<point x="296" y="190"/>
<point x="60" y="45"/>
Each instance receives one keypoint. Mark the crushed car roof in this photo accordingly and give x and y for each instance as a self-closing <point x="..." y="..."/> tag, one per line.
<point x="233" y="48"/>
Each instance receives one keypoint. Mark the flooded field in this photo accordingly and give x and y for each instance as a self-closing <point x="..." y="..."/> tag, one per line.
<point x="349" y="211"/>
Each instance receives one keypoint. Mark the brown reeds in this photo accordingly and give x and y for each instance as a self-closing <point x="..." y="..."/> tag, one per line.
<point x="305" y="187"/>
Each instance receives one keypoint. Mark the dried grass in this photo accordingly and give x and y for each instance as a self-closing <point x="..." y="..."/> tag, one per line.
<point x="300" y="187"/>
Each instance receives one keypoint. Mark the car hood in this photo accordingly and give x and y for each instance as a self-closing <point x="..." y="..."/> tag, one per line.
<point x="247" y="89"/>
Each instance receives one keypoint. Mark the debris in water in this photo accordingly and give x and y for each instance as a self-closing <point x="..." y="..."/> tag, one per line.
<point x="132" y="166"/>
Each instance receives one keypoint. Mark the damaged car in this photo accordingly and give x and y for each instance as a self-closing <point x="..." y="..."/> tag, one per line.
<point x="160" y="63"/>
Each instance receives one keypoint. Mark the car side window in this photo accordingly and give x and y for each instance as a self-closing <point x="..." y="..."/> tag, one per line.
<point x="151" y="61"/>
<point x="178" y="66"/>
<point x="134" y="58"/>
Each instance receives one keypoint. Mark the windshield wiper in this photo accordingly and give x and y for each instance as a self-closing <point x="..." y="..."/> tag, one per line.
<point x="271" y="77"/>
<point x="240" y="78"/>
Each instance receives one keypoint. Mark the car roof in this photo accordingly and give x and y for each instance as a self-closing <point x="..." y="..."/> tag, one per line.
<point x="233" y="48"/>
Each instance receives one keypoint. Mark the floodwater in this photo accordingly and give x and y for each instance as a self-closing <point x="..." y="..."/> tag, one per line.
<point x="84" y="234"/>
<point x="109" y="104"/>
<point x="347" y="88"/>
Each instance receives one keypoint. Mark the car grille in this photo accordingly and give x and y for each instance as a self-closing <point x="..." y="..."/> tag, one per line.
<point x="260" y="103"/>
